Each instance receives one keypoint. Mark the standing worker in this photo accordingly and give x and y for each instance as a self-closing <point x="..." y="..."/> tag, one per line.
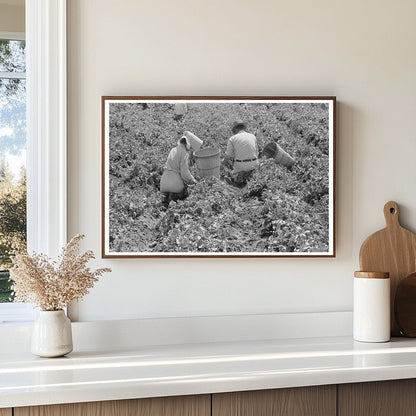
<point x="176" y="175"/>
<point x="243" y="152"/>
<point x="180" y="110"/>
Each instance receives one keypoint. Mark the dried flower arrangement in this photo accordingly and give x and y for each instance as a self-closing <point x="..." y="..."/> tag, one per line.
<point x="53" y="285"/>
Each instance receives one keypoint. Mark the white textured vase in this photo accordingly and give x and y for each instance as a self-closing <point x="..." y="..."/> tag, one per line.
<point x="52" y="334"/>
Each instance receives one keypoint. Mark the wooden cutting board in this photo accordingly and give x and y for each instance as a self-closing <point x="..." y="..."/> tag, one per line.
<point x="393" y="250"/>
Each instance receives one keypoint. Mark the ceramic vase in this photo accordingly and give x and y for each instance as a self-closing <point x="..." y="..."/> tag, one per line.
<point x="52" y="334"/>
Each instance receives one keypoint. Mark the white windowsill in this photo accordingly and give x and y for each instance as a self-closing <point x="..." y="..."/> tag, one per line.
<point x="202" y="368"/>
<point x="16" y="313"/>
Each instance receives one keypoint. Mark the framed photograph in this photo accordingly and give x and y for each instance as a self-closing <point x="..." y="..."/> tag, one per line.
<point x="218" y="177"/>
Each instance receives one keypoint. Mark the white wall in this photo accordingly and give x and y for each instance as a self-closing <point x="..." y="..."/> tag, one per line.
<point x="361" y="51"/>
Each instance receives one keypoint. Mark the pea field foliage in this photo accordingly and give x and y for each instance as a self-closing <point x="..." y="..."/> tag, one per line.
<point x="279" y="211"/>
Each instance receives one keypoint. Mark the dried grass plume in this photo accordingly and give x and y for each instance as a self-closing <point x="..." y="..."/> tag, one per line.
<point x="53" y="285"/>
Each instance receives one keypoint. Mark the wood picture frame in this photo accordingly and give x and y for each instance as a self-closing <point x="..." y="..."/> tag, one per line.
<point x="278" y="202"/>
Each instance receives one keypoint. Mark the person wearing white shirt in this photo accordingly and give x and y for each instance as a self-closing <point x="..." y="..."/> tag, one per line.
<point x="243" y="152"/>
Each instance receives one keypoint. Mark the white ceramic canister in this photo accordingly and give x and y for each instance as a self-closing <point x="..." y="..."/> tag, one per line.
<point x="371" y="309"/>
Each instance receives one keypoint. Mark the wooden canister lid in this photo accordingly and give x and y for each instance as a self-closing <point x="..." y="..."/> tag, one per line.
<point x="372" y="275"/>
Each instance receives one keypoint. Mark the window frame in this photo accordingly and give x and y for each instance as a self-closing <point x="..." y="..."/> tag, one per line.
<point x="46" y="121"/>
<point x="46" y="136"/>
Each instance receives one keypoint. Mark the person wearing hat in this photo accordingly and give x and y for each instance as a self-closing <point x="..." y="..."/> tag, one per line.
<point x="176" y="175"/>
<point x="243" y="152"/>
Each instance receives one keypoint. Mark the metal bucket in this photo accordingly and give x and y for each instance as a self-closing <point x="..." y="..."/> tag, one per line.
<point x="208" y="162"/>
<point x="274" y="151"/>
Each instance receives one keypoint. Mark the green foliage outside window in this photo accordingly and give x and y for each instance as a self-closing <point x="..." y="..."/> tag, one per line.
<point x="12" y="147"/>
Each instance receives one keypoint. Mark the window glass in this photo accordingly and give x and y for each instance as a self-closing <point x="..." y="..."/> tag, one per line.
<point x="12" y="56"/>
<point x="12" y="156"/>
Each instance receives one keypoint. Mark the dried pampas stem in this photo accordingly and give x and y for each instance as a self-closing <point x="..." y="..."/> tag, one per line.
<point x="53" y="285"/>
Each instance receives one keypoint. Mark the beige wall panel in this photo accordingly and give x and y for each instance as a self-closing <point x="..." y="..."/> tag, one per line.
<point x="12" y="18"/>
<point x="363" y="52"/>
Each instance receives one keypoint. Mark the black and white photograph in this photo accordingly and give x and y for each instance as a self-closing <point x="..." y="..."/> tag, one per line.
<point x="218" y="176"/>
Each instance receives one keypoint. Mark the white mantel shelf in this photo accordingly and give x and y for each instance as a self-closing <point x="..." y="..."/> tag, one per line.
<point x="151" y="371"/>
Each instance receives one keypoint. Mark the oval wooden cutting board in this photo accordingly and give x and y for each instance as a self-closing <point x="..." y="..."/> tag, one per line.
<point x="393" y="250"/>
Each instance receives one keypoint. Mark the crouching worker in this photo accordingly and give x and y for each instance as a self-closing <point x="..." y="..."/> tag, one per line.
<point x="242" y="152"/>
<point x="176" y="175"/>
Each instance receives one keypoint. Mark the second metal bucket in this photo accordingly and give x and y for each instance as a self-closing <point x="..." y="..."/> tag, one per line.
<point x="274" y="151"/>
<point x="208" y="162"/>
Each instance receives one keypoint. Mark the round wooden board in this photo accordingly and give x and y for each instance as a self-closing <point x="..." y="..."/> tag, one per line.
<point x="405" y="305"/>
